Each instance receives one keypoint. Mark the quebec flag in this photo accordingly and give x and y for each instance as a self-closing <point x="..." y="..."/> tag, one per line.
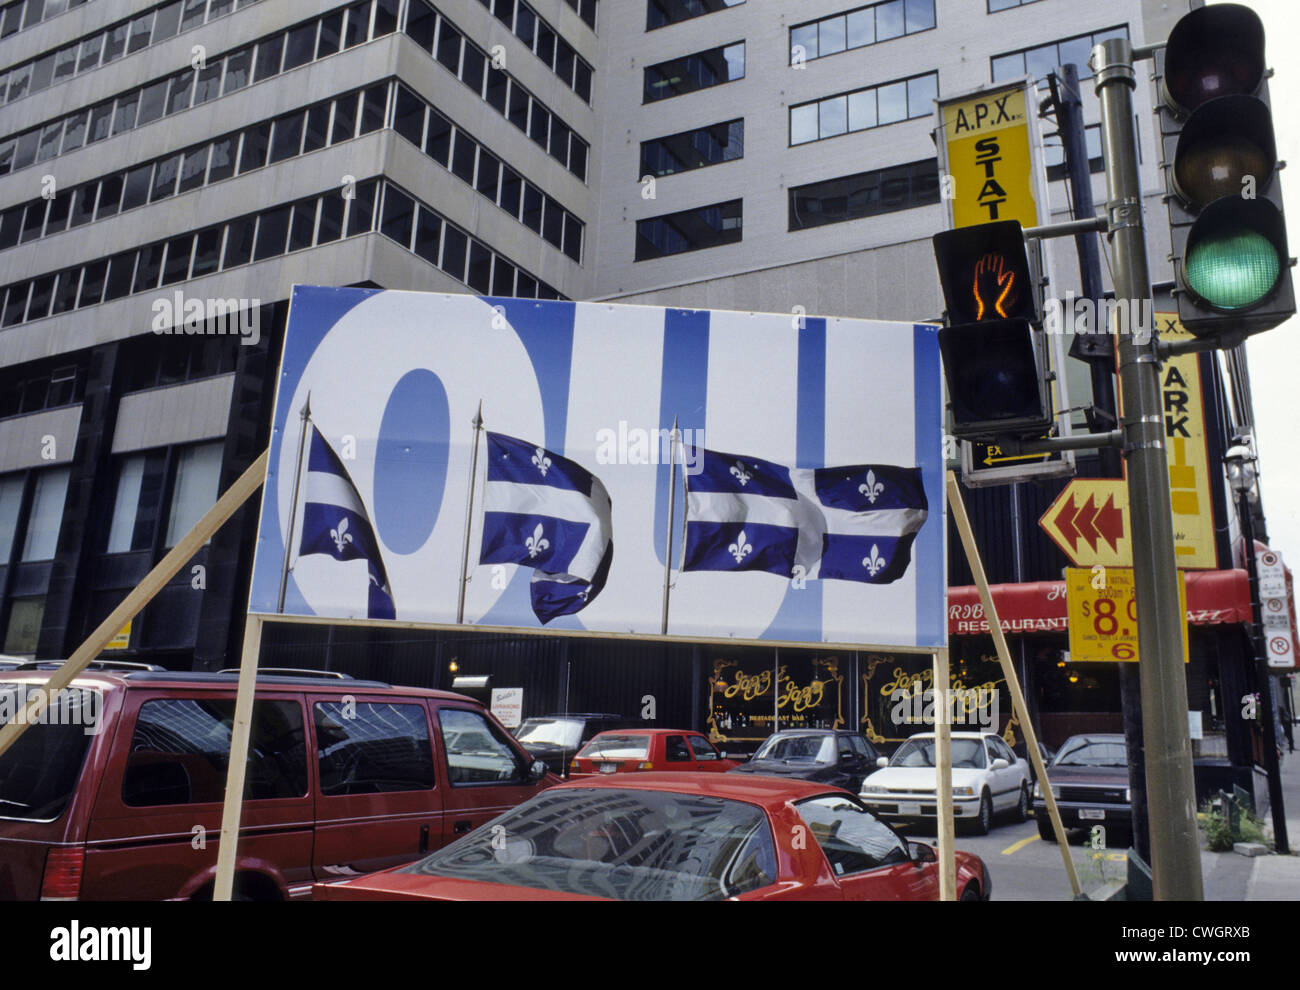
<point x="543" y="511"/>
<point x="854" y="523"/>
<point x="335" y="522"/>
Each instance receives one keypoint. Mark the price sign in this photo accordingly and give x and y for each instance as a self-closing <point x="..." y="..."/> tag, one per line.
<point x="1103" y="614"/>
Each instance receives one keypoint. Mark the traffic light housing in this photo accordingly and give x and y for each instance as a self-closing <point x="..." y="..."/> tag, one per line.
<point x="993" y="355"/>
<point x="1231" y="265"/>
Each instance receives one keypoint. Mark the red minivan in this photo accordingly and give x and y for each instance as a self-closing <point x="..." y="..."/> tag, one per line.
<point x="117" y="793"/>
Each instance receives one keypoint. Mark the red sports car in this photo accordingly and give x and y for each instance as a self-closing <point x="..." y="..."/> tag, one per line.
<point x="676" y="836"/>
<point x="630" y="750"/>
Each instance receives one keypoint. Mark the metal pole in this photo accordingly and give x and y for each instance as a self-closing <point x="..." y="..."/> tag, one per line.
<point x="1263" y="681"/>
<point x="469" y="514"/>
<point x="305" y="418"/>
<point x="1171" y="794"/>
<point x="668" y="529"/>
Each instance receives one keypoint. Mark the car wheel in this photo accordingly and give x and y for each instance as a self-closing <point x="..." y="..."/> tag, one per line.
<point x="1022" y="808"/>
<point x="985" y="820"/>
<point x="1045" y="831"/>
<point x="971" y="893"/>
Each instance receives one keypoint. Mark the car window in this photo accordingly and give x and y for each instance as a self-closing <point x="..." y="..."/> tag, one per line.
<point x="845" y="748"/>
<point x="39" y="772"/>
<point x="181" y="747"/>
<point x="702" y="748"/>
<point x="676" y="751"/>
<point x="369" y="748"/>
<point x="859" y="745"/>
<point x="476" y="754"/>
<point x="1080" y="751"/>
<point x="853" y="839"/>
<point x="798" y="749"/>
<point x="919" y="752"/>
<point x="617" y="746"/>
<point x="1001" y="749"/>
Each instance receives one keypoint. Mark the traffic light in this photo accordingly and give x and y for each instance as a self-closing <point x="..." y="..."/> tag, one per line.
<point x="1231" y="264"/>
<point x="993" y="356"/>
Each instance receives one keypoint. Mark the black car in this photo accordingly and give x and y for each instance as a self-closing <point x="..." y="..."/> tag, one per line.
<point x="1089" y="777"/>
<point x="832" y="756"/>
<point x="556" y="739"/>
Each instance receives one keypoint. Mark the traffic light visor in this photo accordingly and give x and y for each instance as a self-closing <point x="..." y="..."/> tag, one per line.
<point x="1214" y="51"/>
<point x="1227" y="148"/>
<point x="1236" y="253"/>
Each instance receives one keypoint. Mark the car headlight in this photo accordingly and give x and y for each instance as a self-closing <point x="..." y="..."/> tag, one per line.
<point x="872" y="789"/>
<point x="1038" y="791"/>
<point x="963" y="791"/>
<point x="1128" y="795"/>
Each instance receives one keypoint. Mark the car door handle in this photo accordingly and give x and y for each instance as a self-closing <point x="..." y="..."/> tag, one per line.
<point x="461" y="828"/>
<point x="424" y="839"/>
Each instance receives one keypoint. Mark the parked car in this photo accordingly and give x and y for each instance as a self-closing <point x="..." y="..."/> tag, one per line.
<point x="830" y="756"/>
<point x="1021" y="749"/>
<point x="1089" y="779"/>
<point x="677" y="837"/>
<point x="987" y="778"/>
<point x="105" y="801"/>
<point x="555" y="739"/>
<point x="649" y="749"/>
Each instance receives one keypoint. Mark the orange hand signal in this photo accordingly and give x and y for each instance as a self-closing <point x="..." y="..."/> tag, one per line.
<point x="997" y="281"/>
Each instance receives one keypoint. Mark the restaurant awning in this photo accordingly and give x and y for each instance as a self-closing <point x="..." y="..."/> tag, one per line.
<point x="1213" y="598"/>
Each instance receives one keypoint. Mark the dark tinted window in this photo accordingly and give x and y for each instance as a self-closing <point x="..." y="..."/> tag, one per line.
<point x="368" y="748"/>
<point x="852" y="838"/>
<point x="692" y="72"/>
<point x="689" y="230"/>
<point x="864" y="194"/>
<point x="40" y="771"/>
<point x="662" y="12"/>
<point x="694" y="149"/>
<point x="181" y="748"/>
<point x="476" y="751"/>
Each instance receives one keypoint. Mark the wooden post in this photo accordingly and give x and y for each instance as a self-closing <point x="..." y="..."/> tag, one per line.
<point x="943" y="777"/>
<point x="223" y="886"/>
<point x="958" y="507"/>
<point x="140" y="596"/>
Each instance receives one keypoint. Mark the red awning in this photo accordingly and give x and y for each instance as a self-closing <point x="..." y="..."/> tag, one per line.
<point x="1213" y="598"/>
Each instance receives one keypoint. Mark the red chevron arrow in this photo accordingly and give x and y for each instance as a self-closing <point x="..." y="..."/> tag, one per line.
<point x="1084" y="521"/>
<point x="1110" y="522"/>
<point x="1064" y="522"/>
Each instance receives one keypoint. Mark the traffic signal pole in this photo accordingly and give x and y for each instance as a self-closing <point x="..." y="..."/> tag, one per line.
<point x="1171" y="795"/>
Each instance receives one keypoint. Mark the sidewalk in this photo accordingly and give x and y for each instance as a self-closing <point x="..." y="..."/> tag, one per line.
<point x="1231" y="877"/>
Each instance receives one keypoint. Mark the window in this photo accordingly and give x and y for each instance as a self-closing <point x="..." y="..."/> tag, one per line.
<point x="660" y="13"/>
<point x="851" y="837"/>
<point x="181" y="747"/>
<point x="208" y="86"/>
<point x="702" y="748"/>
<point x="193" y="167"/>
<point x="876" y="106"/>
<point x="676" y="750"/>
<point x="476" y="753"/>
<point x="996" y="5"/>
<point x="238" y="66"/>
<point x="372" y="748"/>
<point x="178" y="91"/>
<point x="689" y="230"/>
<point x="858" y="28"/>
<point x="300" y="46"/>
<point x="1054" y="152"/>
<point x="408" y="116"/>
<point x="853" y="197"/>
<point x="198" y="473"/>
<point x="693" y="72"/>
<point x="399" y="214"/>
<point x="137" y="503"/>
<point x="287" y="140"/>
<point x="46" y="514"/>
<point x="24" y="631"/>
<point x="1041" y="60"/>
<point x="11" y="501"/>
<point x="437" y="142"/>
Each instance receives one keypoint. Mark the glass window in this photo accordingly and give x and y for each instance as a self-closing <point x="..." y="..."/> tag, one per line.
<point x="373" y="106"/>
<point x="572" y="237"/>
<point x="803" y="123"/>
<point x="361" y="213"/>
<point x="300" y="46"/>
<point x="33" y="221"/>
<point x="532" y="217"/>
<point x="181" y="747"/>
<point x="39" y="305"/>
<point x="503" y="277"/>
<point x="480" y="268"/>
<point x="582" y="80"/>
<point x="449" y="47"/>
<point x="408" y="117"/>
<point x="238" y="66"/>
<point x="138" y="499"/>
<point x="511" y="189"/>
<point x="525" y="24"/>
<point x="272" y="233"/>
<point x="121" y="269"/>
<point x="689" y="230"/>
<point x="46" y="514"/>
<point x="11" y="500"/>
<point x="693" y="72"/>
<point x="49" y="141"/>
<point x="851" y="837"/>
<point x="141" y="29"/>
<point x="124" y="112"/>
<point x="179" y="90"/>
<point x="206" y="252"/>
<point x="345" y="118"/>
<point x="286" y="140"/>
<point x="177" y="266"/>
<point x="428" y="235"/>
<point x="331" y="219"/>
<point x="385" y="17"/>
<point x="65" y="296"/>
<point x="115" y="42"/>
<point x="889" y="20"/>
<point x="110" y="195"/>
<point x="892" y="102"/>
<point x="208" y="86"/>
<point x="74" y="133"/>
<point x="358" y="26"/>
<point x="921" y="94"/>
<point x="252" y="153"/>
<point x="372" y="748"/>
<point x="269" y="55"/>
<point x="331" y="35"/>
<point x="65" y="63"/>
<point x="476" y="752"/>
<point x="420" y="22"/>
<point x="497" y="89"/>
<point x="545" y="47"/>
<point x="830" y="36"/>
<point x="399" y="214"/>
<point x="559" y="143"/>
<point x="862" y="110"/>
<point x="702" y="748"/>
<point x="454" y="248"/>
<point x="148" y="268"/>
<point x="23" y="635"/>
<point x="222" y="163"/>
<point x="553" y="223"/>
<point x="88" y="53"/>
<point x="192" y="15"/>
<point x="832" y="116"/>
<point x="489" y="169"/>
<point x="861" y="28"/>
<point x="676" y="750"/>
<point x="518" y="113"/>
<point x="473" y="66"/>
<point x="153" y="100"/>
<point x="167" y="21"/>
<point x="463" y="159"/>
<point x="920" y="15"/>
<point x="92" y="283"/>
<point x="164" y="178"/>
<point x="316" y="133"/>
<point x="539" y="124"/>
<point x="803" y="43"/>
<point x="198" y="472"/>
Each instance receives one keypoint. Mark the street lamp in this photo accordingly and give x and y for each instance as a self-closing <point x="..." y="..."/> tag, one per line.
<point x="1239" y="463"/>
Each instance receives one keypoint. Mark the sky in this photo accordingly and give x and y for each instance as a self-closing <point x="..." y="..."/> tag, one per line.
<point x="1274" y="356"/>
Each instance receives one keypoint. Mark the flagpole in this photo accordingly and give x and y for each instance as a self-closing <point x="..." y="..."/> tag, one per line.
<point x="469" y="514"/>
<point x="668" y="530"/>
<point x="305" y="417"/>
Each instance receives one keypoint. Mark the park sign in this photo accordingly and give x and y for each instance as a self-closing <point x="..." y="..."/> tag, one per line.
<point x="579" y="468"/>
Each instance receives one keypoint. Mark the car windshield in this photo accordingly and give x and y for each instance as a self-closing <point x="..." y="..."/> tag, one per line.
<point x="563" y="732"/>
<point x="615" y="746"/>
<point x="968" y="753"/>
<point x="39" y="772"/>
<point x="798" y="749"/>
<point x="1084" y="752"/>
<point x="625" y="844"/>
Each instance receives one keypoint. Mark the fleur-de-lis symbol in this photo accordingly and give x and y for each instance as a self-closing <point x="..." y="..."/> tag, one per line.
<point x="742" y="476"/>
<point x="541" y="461"/>
<point x="872" y="489"/>
<point x="875" y="562"/>
<point x="341" y="536"/>
<point x="536" y="543"/>
<point x="740" y="549"/>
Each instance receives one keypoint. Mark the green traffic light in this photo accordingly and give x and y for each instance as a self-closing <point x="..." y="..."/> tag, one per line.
<point x="1233" y="269"/>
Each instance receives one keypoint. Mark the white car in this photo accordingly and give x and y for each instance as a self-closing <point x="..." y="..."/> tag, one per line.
<point x="987" y="778"/>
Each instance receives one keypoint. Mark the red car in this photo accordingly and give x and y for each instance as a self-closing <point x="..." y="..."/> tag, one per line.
<point x="619" y="751"/>
<point x="677" y="836"/>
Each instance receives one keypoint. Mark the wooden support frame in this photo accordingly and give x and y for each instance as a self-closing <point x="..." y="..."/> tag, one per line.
<point x="946" y="827"/>
<point x="958" y="507"/>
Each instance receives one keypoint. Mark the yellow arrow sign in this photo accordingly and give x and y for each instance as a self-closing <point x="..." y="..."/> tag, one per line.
<point x="992" y="454"/>
<point x="1089" y="521"/>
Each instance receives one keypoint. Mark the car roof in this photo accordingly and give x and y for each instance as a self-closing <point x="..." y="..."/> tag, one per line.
<point x="586" y="715"/>
<point x="770" y="792"/>
<point x="647" y="732"/>
<point x="954" y="735"/>
<point x="815" y="732"/>
<point x="1110" y="737"/>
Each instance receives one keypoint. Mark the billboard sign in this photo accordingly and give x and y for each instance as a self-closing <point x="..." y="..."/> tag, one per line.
<point x="499" y="463"/>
